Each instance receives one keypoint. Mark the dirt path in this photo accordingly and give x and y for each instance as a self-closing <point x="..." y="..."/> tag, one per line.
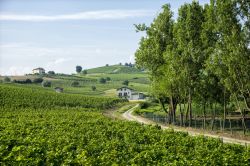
<point x="129" y="116"/>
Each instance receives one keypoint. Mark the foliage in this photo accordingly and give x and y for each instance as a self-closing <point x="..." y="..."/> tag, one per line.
<point x="102" y="80"/>
<point x="51" y="72"/>
<point x="125" y="82"/>
<point x="86" y="137"/>
<point x="108" y="78"/>
<point x="78" y="69"/>
<point x="93" y="88"/>
<point x="38" y="80"/>
<point x="27" y="81"/>
<point x="85" y="72"/>
<point x="6" y="79"/>
<point x="75" y="84"/>
<point x="202" y="57"/>
<point x="20" y="97"/>
<point x="46" y="83"/>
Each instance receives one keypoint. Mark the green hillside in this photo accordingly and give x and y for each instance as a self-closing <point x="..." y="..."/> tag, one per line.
<point x="114" y="69"/>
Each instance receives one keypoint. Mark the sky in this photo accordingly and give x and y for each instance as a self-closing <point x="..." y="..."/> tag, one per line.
<point x="60" y="34"/>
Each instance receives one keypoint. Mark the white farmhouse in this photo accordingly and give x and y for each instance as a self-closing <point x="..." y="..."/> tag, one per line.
<point x="129" y="93"/>
<point x="38" y="71"/>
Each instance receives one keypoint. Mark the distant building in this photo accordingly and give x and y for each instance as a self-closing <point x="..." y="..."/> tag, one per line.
<point x="129" y="93"/>
<point x="58" y="89"/>
<point x="38" y="71"/>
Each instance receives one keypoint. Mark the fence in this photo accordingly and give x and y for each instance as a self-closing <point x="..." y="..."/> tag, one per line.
<point x="232" y="125"/>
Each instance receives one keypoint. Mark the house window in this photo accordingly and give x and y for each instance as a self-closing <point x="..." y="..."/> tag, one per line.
<point x="125" y="94"/>
<point x="120" y="94"/>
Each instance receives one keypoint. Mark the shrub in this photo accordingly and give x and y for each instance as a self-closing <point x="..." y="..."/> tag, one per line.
<point x="46" y="84"/>
<point x="84" y="72"/>
<point x="6" y="79"/>
<point x="38" y="80"/>
<point x="93" y="88"/>
<point x="75" y="84"/>
<point x="51" y="72"/>
<point x="126" y="82"/>
<point x="144" y="105"/>
<point x="28" y="81"/>
<point x="102" y="80"/>
<point x="108" y="78"/>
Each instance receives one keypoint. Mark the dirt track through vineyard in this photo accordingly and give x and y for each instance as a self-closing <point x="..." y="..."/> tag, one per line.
<point x="129" y="116"/>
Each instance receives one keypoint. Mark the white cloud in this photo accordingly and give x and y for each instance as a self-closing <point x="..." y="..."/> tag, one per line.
<point x="88" y="15"/>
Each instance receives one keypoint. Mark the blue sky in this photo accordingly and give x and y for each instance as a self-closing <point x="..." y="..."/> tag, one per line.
<point x="60" y="34"/>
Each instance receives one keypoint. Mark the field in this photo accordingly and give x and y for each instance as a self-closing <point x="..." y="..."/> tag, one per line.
<point x="39" y="127"/>
<point x="137" y="80"/>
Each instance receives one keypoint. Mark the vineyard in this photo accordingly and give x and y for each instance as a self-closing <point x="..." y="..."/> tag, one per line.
<point x="40" y="128"/>
<point x="25" y="97"/>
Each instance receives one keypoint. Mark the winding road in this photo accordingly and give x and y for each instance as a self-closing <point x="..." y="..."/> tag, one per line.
<point x="129" y="116"/>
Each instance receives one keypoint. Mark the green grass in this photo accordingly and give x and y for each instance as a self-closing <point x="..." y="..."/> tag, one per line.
<point x="116" y="69"/>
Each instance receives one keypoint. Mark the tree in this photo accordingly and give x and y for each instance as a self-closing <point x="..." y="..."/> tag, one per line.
<point x="78" y="69"/>
<point x="126" y="82"/>
<point x="93" y="88"/>
<point x="6" y="79"/>
<point x="28" y="81"/>
<point x="51" y="72"/>
<point x="75" y="84"/>
<point x="107" y="65"/>
<point x="85" y="72"/>
<point x="38" y="80"/>
<point x="108" y="78"/>
<point x="46" y="83"/>
<point x="102" y="80"/>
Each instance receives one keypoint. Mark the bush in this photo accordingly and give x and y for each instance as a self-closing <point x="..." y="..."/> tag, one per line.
<point x="6" y="79"/>
<point x="28" y="81"/>
<point x="75" y="84"/>
<point x="144" y="105"/>
<point x="84" y="72"/>
<point x="126" y="82"/>
<point x="46" y="84"/>
<point x="102" y="80"/>
<point x="93" y="88"/>
<point x="38" y="80"/>
<point x="51" y="72"/>
<point x="108" y="78"/>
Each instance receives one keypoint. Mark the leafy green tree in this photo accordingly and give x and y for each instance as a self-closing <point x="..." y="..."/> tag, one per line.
<point x="108" y="78"/>
<point x="126" y="82"/>
<point x="78" y="69"/>
<point x="102" y="80"/>
<point x="6" y="79"/>
<point x="38" y="80"/>
<point x="93" y="88"/>
<point x="85" y="72"/>
<point x="46" y="83"/>
<point x="51" y="72"/>
<point x="75" y="84"/>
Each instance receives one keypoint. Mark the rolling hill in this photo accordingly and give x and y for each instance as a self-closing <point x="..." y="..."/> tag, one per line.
<point x="114" y="69"/>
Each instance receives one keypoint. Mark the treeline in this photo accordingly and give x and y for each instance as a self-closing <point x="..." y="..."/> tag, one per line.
<point x="202" y="57"/>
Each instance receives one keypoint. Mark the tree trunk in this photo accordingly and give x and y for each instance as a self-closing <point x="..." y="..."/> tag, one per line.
<point x="184" y="108"/>
<point x="225" y="111"/>
<point x="172" y="109"/>
<point x="213" y="117"/>
<point x="204" y="116"/>
<point x="190" y="107"/>
<point x="242" y="115"/>
<point x="181" y="117"/>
